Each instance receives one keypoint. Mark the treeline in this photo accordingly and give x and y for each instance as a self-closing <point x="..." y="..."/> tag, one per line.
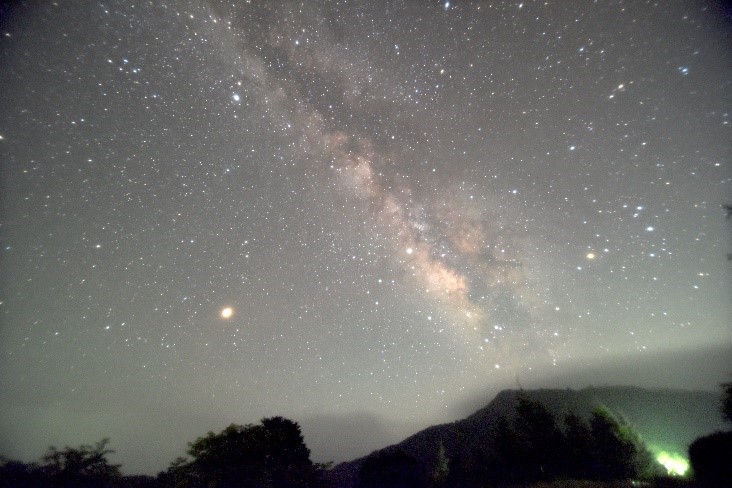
<point x="539" y="448"/>
<point x="533" y="448"/>
<point x="271" y="454"/>
<point x="83" y="466"/>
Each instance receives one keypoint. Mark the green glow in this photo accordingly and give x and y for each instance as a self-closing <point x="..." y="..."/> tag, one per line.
<point x="675" y="464"/>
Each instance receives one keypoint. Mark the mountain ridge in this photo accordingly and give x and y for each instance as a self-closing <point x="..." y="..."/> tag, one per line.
<point x="666" y="419"/>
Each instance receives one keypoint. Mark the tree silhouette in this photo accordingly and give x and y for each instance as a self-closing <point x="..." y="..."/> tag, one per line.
<point x="619" y="452"/>
<point x="578" y="448"/>
<point x="710" y="458"/>
<point x="272" y="454"/>
<point x="506" y="462"/>
<point x="727" y="402"/>
<point x="442" y="467"/>
<point x="538" y="449"/>
<point x="710" y="455"/>
<point x="84" y="466"/>
<point x="540" y="440"/>
<point x="533" y="450"/>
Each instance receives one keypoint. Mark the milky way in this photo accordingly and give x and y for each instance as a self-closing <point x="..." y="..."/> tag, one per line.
<point x="348" y="212"/>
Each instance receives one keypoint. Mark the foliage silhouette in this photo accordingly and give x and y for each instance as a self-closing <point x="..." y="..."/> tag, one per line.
<point x="528" y="446"/>
<point x="537" y="448"/>
<point x="17" y="474"/>
<point x="578" y="448"/>
<point x="727" y="402"/>
<point x="78" y="467"/>
<point x="441" y="471"/>
<point x="619" y="452"/>
<point x="709" y="455"/>
<point x="272" y="454"/>
<point x="82" y="466"/>
<point x="540" y="440"/>
<point x="710" y="458"/>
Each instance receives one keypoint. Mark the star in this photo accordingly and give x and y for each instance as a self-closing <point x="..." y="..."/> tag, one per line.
<point x="227" y="312"/>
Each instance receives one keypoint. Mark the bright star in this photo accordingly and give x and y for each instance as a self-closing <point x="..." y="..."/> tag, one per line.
<point x="227" y="312"/>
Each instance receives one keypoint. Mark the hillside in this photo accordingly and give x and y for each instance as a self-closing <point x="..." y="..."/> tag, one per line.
<point x="666" y="419"/>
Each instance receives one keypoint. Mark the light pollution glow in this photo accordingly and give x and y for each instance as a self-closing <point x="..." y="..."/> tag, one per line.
<point x="675" y="464"/>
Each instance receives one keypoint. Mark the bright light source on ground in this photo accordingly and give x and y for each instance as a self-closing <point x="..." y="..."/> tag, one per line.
<point x="675" y="464"/>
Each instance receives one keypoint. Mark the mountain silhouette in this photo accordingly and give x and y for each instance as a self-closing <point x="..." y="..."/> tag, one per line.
<point x="666" y="419"/>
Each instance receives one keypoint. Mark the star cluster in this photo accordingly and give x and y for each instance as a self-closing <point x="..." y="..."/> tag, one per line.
<point x="217" y="211"/>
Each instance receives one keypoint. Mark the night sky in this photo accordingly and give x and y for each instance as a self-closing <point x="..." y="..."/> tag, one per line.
<point x="357" y="214"/>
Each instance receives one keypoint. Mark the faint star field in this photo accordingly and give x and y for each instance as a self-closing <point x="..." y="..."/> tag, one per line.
<point x="215" y="212"/>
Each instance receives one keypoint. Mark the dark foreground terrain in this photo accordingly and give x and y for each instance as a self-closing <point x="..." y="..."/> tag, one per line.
<point x="610" y="437"/>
